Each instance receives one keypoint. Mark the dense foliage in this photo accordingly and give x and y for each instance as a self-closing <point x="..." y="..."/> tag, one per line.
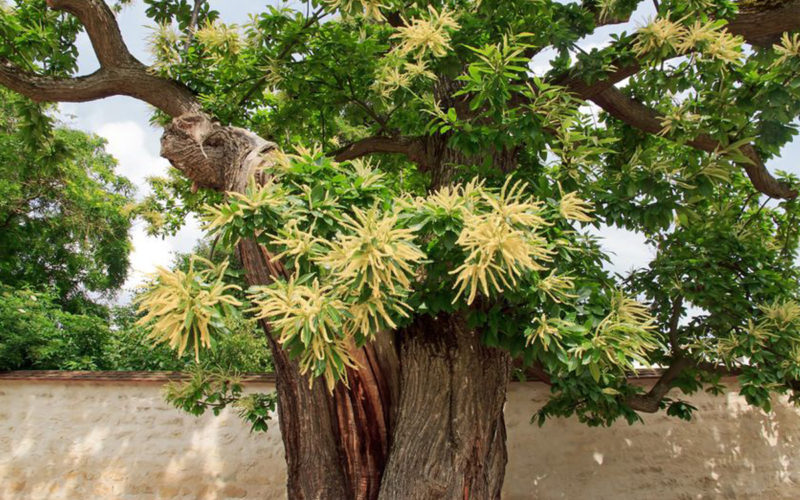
<point x="368" y="250"/>
<point x="36" y="333"/>
<point x="64" y="211"/>
<point x="497" y="172"/>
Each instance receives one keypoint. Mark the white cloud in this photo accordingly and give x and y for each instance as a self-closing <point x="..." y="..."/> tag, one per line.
<point x="131" y="144"/>
<point x="627" y="249"/>
<point x="150" y="252"/>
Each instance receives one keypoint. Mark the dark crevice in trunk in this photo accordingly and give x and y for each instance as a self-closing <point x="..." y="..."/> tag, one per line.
<point x="364" y="415"/>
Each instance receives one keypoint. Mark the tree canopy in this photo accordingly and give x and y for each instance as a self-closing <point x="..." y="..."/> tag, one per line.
<point x="451" y="83"/>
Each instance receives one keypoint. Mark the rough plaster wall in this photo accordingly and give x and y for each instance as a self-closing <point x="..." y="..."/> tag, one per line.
<point x="729" y="450"/>
<point x="68" y="440"/>
<point x="96" y="441"/>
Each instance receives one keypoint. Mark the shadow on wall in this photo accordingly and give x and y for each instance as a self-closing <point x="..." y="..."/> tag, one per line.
<point x="729" y="450"/>
<point x="79" y="440"/>
<point x="98" y="441"/>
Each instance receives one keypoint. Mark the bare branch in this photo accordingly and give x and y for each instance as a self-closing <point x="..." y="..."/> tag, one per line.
<point x="166" y="95"/>
<point x="411" y="147"/>
<point x="192" y="24"/>
<point x="102" y="28"/>
<point x="48" y="89"/>
<point x="650" y="402"/>
<point x="639" y="116"/>
<point x="674" y="324"/>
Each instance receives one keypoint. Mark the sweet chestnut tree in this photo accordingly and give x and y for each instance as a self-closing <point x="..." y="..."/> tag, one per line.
<point x="411" y="203"/>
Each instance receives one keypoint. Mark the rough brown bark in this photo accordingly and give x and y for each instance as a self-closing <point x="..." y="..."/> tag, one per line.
<point x="449" y="440"/>
<point x="303" y="410"/>
<point x="336" y="444"/>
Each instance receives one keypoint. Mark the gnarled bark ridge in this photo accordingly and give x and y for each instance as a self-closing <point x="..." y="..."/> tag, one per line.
<point x="450" y="437"/>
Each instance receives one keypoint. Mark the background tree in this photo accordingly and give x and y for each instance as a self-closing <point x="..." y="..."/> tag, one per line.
<point x="410" y="290"/>
<point x="64" y="211"/>
<point x="66" y="215"/>
<point x="64" y="221"/>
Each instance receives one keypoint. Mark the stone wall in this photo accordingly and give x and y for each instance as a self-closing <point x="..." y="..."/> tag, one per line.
<point x="68" y="439"/>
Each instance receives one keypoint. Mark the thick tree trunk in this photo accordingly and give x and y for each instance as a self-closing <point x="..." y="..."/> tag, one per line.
<point x="336" y="444"/>
<point x="449" y="440"/>
<point x="423" y="415"/>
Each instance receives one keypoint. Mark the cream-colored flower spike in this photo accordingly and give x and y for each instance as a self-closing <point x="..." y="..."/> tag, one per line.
<point x="162" y="44"/>
<point x="219" y="36"/>
<point x="546" y="332"/>
<point x="297" y="243"/>
<point x="789" y="48"/>
<point x="419" y="69"/>
<point x="374" y="253"/>
<point x="783" y="314"/>
<point x="371" y="8"/>
<point x="312" y="315"/>
<point x="390" y="79"/>
<point x="557" y="287"/>
<point x="714" y="41"/>
<point x="514" y="206"/>
<point x="269" y="194"/>
<point x="660" y="32"/>
<point x="292" y="309"/>
<point x="369" y="316"/>
<point x="572" y="207"/>
<point x="501" y="245"/>
<point x="364" y="169"/>
<point x="180" y="305"/>
<point x="454" y="200"/>
<point x="426" y="35"/>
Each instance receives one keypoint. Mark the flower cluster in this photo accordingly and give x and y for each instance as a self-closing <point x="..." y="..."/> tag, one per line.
<point x="183" y="307"/>
<point x="663" y="37"/>
<point x="358" y="262"/>
<point x="430" y="34"/>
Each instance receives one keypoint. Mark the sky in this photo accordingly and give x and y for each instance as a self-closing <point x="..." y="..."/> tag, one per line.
<point x="123" y="122"/>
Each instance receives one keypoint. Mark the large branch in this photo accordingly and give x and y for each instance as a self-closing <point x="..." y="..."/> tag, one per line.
<point x="134" y="81"/>
<point x="101" y="26"/>
<point x="650" y="402"/>
<point x="639" y="116"/>
<point x="120" y="73"/>
<point x="763" y="25"/>
<point x="411" y="147"/>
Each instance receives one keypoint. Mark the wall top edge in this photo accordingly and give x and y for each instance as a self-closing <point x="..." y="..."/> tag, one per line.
<point x="162" y="376"/>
